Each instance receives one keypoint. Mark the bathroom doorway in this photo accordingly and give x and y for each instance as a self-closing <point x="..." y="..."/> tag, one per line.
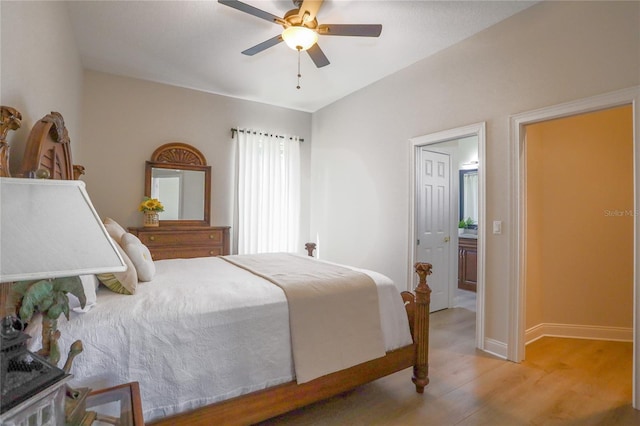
<point x="465" y="146"/>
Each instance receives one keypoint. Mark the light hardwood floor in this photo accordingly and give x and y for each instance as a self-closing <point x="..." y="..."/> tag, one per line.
<point x="562" y="382"/>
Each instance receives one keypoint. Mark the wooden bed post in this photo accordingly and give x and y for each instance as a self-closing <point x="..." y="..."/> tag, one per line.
<point x="421" y="327"/>
<point x="9" y="120"/>
<point x="310" y="248"/>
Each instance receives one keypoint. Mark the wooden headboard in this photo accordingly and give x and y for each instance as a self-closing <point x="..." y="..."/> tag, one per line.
<point x="48" y="149"/>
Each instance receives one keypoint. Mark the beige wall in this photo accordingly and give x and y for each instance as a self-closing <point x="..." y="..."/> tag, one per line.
<point x="126" y="119"/>
<point x="115" y="123"/>
<point x="580" y="220"/>
<point x="40" y="69"/>
<point x="551" y="53"/>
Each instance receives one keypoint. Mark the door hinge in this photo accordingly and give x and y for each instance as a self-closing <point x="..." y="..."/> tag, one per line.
<point x="418" y="242"/>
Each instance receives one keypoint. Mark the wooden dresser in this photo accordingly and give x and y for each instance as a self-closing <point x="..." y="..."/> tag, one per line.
<point x="169" y="242"/>
<point x="467" y="263"/>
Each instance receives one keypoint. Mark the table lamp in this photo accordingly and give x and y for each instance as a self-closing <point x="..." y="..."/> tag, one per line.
<point x="49" y="230"/>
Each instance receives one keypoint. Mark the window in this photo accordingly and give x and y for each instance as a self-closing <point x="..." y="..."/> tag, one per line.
<point x="268" y="193"/>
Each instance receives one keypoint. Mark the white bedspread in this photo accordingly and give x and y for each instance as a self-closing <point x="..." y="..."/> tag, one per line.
<point x="202" y="331"/>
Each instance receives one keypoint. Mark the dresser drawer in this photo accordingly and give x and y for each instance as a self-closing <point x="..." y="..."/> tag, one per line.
<point x="184" y="242"/>
<point x="185" y="252"/>
<point x="182" y="238"/>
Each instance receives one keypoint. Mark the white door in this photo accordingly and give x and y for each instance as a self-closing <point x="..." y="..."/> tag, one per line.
<point x="433" y="222"/>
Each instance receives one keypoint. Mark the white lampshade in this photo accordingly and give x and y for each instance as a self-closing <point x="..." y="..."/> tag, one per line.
<point x="299" y="38"/>
<point x="49" y="229"/>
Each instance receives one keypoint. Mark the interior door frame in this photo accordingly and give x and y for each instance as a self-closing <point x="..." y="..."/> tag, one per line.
<point x="417" y="143"/>
<point x="517" y="123"/>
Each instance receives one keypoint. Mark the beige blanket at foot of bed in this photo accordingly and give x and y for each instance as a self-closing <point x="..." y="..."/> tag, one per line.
<point x="333" y="311"/>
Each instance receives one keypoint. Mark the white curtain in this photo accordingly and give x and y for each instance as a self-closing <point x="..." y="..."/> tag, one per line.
<point x="268" y="193"/>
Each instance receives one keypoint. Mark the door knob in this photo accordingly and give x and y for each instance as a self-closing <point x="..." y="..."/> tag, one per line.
<point x="446" y="239"/>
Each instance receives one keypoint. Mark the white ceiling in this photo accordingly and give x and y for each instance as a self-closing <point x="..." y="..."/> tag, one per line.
<point x="197" y="44"/>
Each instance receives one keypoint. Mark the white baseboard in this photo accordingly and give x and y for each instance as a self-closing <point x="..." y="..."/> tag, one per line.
<point x="592" y="332"/>
<point x="495" y="347"/>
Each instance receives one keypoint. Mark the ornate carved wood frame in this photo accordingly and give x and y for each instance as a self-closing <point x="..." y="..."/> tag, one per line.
<point x="181" y="156"/>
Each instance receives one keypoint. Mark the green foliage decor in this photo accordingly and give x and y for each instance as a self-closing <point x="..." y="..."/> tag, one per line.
<point x="46" y="296"/>
<point x="49" y="297"/>
<point x="465" y="223"/>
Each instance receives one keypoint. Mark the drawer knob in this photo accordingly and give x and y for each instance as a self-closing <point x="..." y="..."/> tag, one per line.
<point x="211" y="236"/>
<point x="152" y="238"/>
<point x="212" y="253"/>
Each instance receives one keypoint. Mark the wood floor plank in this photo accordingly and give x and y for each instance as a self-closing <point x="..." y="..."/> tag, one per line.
<point x="568" y="382"/>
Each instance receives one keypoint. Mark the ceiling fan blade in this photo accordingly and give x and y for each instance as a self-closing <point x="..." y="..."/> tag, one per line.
<point x="243" y="7"/>
<point x="317" y="56"/>
<point x="310" y="9"/>
<point x="263" y="46"/>
<point x="359" y="30"/>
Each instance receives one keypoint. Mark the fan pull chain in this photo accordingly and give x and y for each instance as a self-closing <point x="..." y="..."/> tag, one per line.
<point x="299" y="75"/>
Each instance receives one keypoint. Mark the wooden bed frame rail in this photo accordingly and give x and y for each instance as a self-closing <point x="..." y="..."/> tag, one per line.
<point x="267" y="403"/>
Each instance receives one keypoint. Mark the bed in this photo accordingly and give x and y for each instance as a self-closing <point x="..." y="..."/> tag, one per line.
<point x="215" y="348"/>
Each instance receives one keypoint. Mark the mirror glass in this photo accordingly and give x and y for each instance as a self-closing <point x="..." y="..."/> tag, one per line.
<point x="469" y="195"/>
<point x="180" y="191"/>
<point x="183" y="190"/>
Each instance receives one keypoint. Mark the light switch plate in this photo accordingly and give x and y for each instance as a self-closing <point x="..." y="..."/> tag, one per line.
<point x="497" y="227"/>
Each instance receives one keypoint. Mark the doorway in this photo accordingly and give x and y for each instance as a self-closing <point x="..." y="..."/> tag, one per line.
<point x="579" y="226"/>
<point x="518" y="123"/>
<point x="446" y="142"/>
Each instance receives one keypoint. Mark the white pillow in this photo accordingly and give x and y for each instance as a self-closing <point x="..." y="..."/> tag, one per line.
<point x="140" y="256"/>
<point x="89" y="284"/>
<point x="114" y="229"/>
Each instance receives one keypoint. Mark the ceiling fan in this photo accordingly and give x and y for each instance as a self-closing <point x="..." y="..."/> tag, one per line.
<point x="301" y="28"/>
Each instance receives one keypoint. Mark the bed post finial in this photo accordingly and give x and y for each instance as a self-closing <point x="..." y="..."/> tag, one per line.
<point x="310" y="247"/>
<point x="78" y="171"/>
<point x="421" y="327"/>
<point x="9" y="120"/>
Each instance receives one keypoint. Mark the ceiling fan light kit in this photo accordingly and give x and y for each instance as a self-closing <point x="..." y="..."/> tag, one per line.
<point x="299" y="38"/>
<point x="301" y="29"/>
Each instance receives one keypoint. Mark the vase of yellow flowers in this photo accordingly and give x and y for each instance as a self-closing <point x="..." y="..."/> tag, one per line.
<point x="151" y="207"/>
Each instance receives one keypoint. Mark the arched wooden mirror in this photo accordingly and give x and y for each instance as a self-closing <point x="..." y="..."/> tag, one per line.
<point x="179" y="177"/>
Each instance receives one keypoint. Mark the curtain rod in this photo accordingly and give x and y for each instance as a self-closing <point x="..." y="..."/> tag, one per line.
<point x="234" y="130"/>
